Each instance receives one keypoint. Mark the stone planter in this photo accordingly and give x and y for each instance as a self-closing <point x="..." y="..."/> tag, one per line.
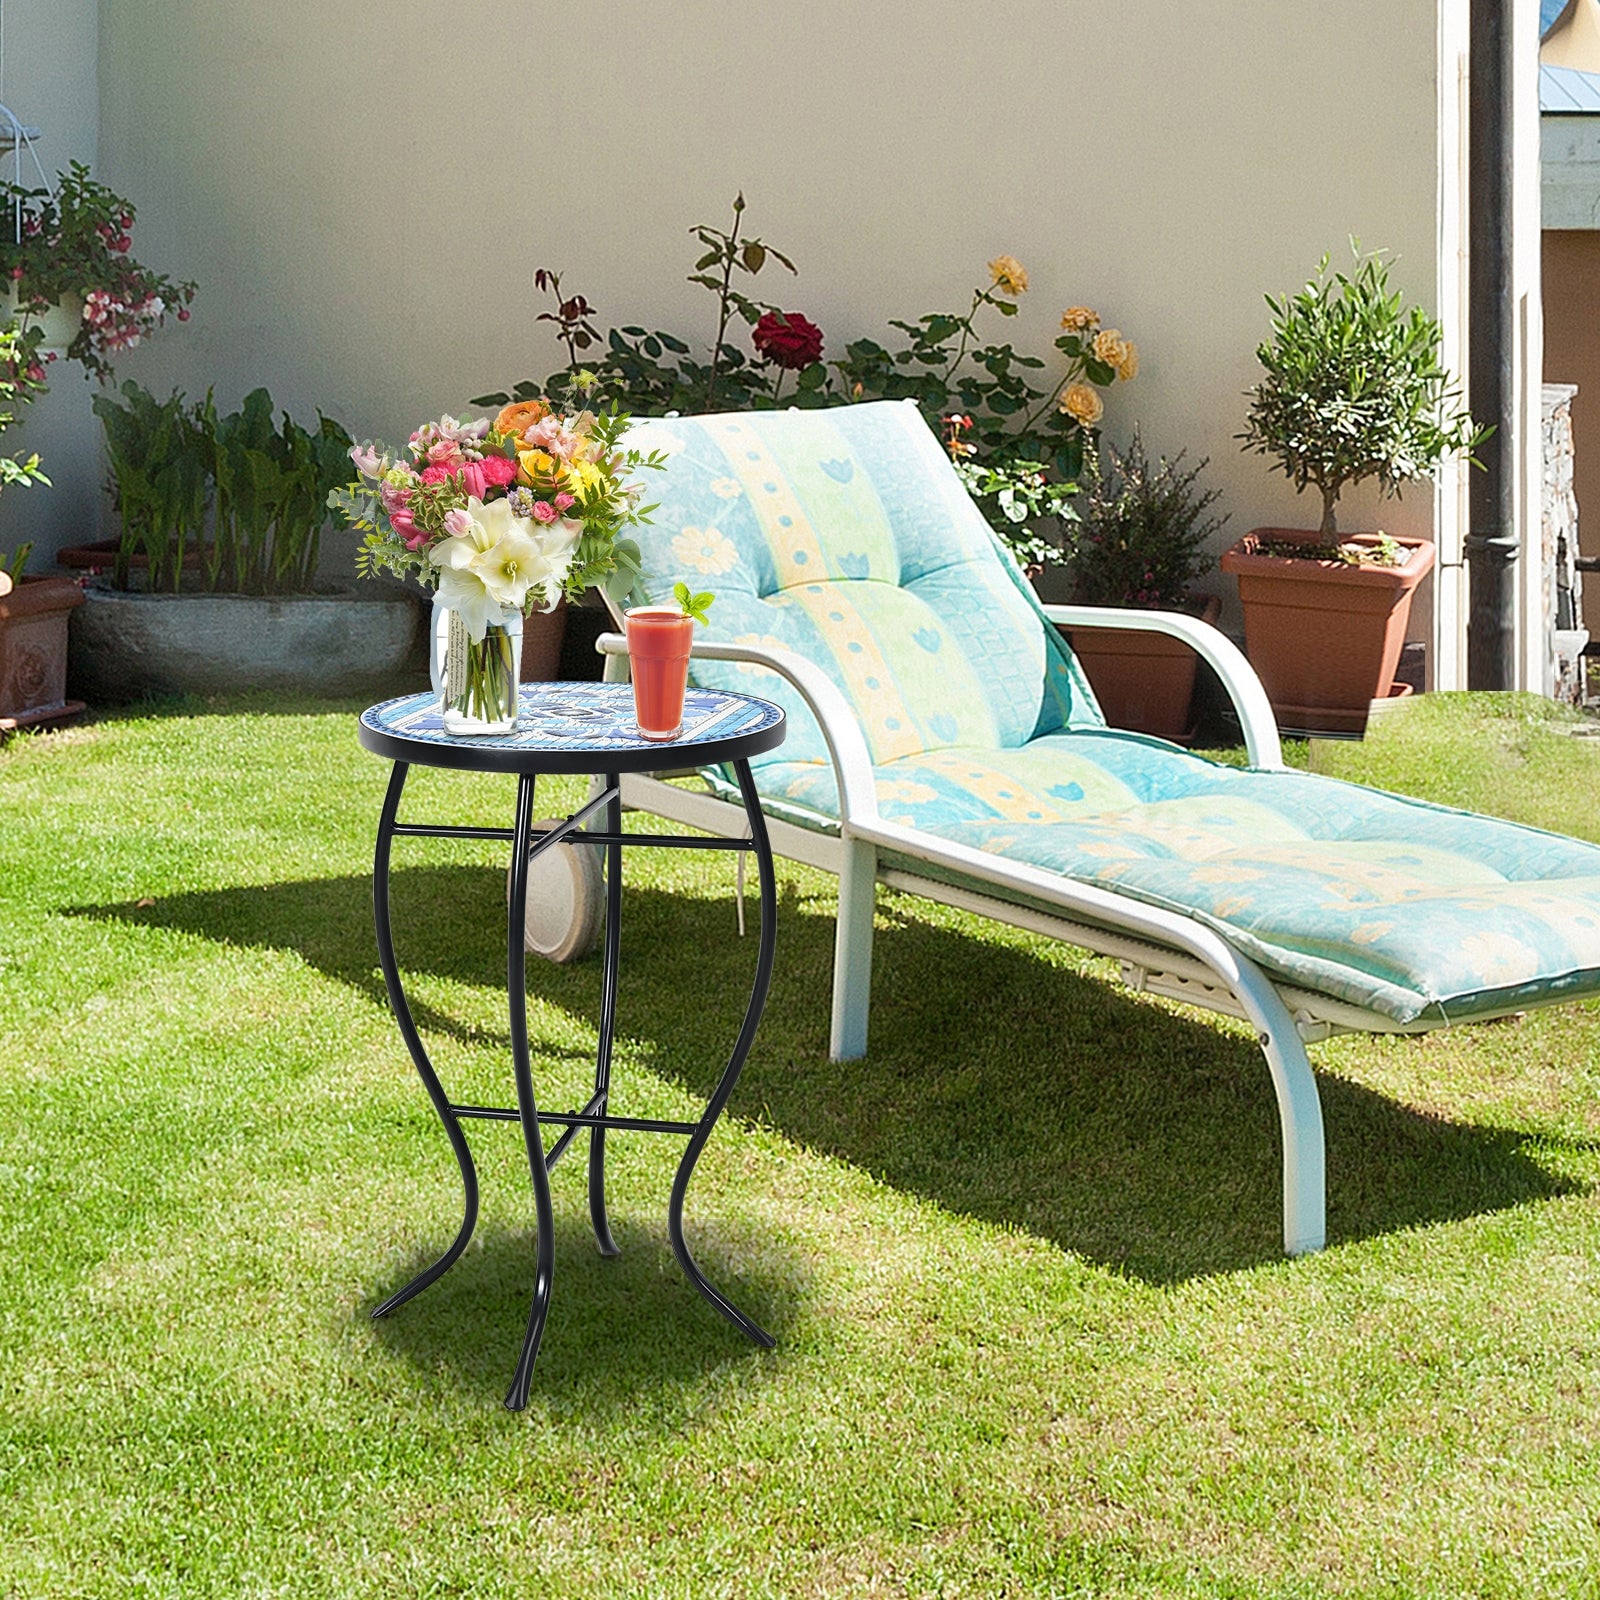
<point x="125" y="646"/>
<point x="1325" y="636"/>
<point x="33" y="651"/>
<point x="1143" y="681"/>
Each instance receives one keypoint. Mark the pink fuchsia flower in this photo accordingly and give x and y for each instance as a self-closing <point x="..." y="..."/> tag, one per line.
<point x="565" y="501"/>
<point x="497" y="471"/>
<point x="458" y="523"/>
<point x="544" y="512"/>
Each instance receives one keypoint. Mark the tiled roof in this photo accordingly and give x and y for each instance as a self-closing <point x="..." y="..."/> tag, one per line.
<point x="1564" y="91"/>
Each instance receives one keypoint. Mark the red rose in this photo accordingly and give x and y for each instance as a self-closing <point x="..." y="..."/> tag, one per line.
<point x="787" y="339"/>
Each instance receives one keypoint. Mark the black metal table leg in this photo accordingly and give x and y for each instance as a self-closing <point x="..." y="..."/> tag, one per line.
<point x="730" y="1075"/>
<point x="517" y="998"/>
<point x="413" y="1043"/>
<point x="608" y="1027"/>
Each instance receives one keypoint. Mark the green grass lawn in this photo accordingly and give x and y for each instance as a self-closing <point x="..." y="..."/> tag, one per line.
<point x="1035" y="1335"/>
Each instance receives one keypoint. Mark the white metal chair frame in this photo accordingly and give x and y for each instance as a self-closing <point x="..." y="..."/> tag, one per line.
<point x="1160" y="952"/>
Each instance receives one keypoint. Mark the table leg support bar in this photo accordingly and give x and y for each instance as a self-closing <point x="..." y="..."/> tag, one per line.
<point x="413" y="1043"/>
<point x="517" y="992"/>
<point x="730" y="1075"/>
<point x="608" y="1026"/>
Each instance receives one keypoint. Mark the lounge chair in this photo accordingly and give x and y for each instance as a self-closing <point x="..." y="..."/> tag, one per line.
<point x="944" y="742"/>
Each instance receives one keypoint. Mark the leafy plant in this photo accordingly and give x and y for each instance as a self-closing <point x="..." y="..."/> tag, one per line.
<point x="697" y="606"/>
<point x="1144" y="533"/>
<point x="272" y="489"/>
<point x="160" y="475"/>
<point x="1354" y="388"/>
<point x="76" y="242"/>
<point x="16" y="388"/>
<point x="178" y="470"/>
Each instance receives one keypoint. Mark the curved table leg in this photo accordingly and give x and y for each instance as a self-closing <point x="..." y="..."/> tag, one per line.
<point x="413" y="1042"/>
<point x="517" y="996"/>
<point x="730" y="1075"/>
<point x="608" y="1026"/>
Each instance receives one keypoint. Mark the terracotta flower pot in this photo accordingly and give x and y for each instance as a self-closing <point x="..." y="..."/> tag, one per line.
<point x="1324" y="636"/>
<point x="1143" y="681"/>
<point x="33" y="651"/>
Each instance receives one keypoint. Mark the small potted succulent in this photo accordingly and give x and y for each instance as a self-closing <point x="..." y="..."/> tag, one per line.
<point x="33" y="611"/>
<point x="1142" y="539"/>
<point x="1354" y="390"/>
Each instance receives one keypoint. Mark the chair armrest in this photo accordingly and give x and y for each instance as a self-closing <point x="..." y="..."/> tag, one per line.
<point x="852" y="765"/>
<point x="1238" y="677"/>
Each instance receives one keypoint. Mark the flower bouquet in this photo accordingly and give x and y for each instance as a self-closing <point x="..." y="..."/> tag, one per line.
<point x="498" y="518"/>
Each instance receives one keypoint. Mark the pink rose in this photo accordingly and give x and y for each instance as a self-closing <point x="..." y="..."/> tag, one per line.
<point x="473" y="480"/>
<point x="497" y="471"/>
<point x="438" y="473"/>
<point x="544" y="512"/>
<point x="445" y="453"/>
<point x="565" y="500"/>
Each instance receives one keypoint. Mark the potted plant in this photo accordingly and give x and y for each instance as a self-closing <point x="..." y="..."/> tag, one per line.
<point x="1354" y="390"/>
<point x="67" y="252"/>
<point x="1142" y="539"/>
<point x="33" y="611"/>
<point x="212" y="584"/>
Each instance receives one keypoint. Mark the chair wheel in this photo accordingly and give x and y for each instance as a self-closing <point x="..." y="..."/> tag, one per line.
<point x="566" y="900"/>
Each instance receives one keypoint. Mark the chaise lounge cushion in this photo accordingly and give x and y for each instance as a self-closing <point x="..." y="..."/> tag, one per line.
<point x="845" y="536"/>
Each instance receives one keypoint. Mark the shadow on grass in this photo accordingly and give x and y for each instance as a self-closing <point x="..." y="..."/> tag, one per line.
<point x="620" y="1331"/>
<point x="998" y="1084"/>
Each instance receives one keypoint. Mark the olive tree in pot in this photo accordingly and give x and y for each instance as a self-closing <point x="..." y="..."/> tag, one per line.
<point x="1143" y="537"/>
<point x="1354" y="390"/>
<point x="212" y="584"/>
<point x="33" y="610"/>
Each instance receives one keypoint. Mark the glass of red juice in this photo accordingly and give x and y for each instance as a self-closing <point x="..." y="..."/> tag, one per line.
<point x="658" y="649"/>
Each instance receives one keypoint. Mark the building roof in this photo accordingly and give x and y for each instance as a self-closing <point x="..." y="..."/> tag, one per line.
<point x="1564" y="91"/>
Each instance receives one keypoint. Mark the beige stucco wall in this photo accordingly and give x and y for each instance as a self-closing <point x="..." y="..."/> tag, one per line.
<point x="363" y="190"/>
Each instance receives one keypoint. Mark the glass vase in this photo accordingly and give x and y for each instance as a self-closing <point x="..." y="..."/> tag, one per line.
<point x="476" y="682"/>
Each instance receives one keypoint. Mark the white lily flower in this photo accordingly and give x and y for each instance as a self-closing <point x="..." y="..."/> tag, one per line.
<point x="466" y="594"/>
<point x="511" y="564"/>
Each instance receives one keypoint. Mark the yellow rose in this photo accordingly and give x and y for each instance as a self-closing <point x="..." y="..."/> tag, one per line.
<point x="1128" y="366"/>
<point x="1110" y="347"/>
<point x="1076" y="318"/>
<point x="538" y="466"/>
<point x="1009" y="275"/>
<point x="1082" y="402"/>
